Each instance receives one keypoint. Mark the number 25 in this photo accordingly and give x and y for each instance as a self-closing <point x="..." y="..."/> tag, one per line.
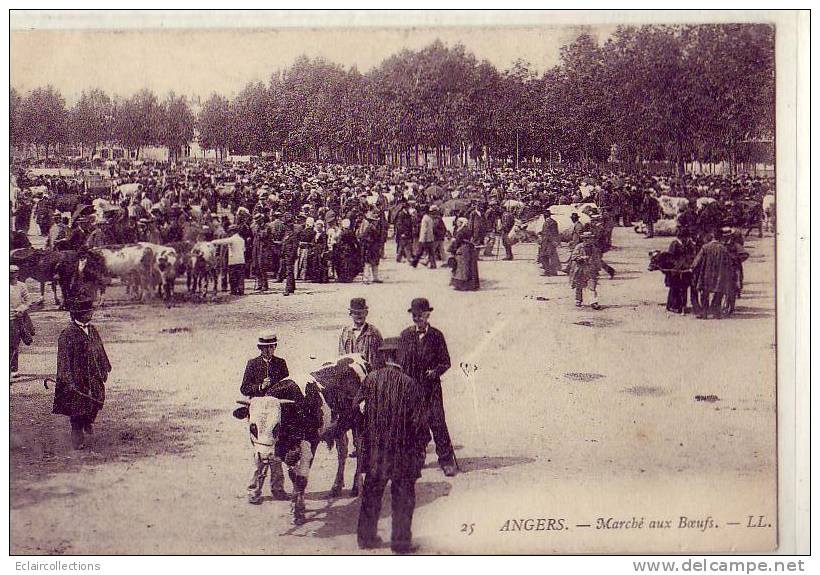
<point x="468" y="528"/>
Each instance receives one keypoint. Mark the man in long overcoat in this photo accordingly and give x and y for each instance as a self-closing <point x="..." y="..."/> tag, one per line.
<point x="548" y="250"/>
<point x="713" y="276"/>
<point x="651" y="212"/>
<point x="395" y="435"/>
<point x="82" y="370"/>
<point x="423" y="355"/>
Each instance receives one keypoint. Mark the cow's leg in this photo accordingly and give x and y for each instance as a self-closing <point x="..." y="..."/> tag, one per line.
<point x="257" y="480"/>
<point x="277" y="480"/>
<point x="358" y="477"/>
<point x="299" y="476"/>
<point x="54" y="291"/>
<point x="341" y="453"/>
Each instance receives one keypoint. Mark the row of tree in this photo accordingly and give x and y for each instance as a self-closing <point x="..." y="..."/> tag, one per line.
<point x="649" y="93"/>
<point x="41" y="119"/>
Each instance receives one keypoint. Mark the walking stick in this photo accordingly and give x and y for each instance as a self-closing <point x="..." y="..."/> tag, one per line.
<point x="71" y="388"/>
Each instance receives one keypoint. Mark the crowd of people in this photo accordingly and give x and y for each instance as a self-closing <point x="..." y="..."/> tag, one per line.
<point x="321" y="223"/>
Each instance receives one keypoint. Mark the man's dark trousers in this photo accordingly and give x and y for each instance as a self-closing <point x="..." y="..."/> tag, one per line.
<point x="403" y="495"/>
<point x="438" y="425"/>
<point x="236" y="275"/>
<point x="425" y="247"/>
<point x="505" y="239"/>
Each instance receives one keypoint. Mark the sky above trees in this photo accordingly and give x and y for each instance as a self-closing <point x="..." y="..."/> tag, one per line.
<point x="198" y="62"/>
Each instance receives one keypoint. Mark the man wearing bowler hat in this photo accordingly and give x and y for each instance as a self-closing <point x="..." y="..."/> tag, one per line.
<point x="82" y="370"/>
<point x="262" y="376"/>
<point x="394" y="437"/>
<point x="423" y="356"/>
<point x="361" y="337"/>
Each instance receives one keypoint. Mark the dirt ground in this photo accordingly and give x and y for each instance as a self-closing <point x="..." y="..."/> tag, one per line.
<point x="557" y="412"/>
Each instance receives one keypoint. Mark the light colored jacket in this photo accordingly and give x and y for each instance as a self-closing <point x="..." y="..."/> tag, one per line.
<point x="426" y="229"/>
<point x="236" y="248"/>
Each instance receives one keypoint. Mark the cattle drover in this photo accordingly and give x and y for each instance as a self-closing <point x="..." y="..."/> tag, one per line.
<point x="394" y="437"/>
<point x="261" y="374"/>
<point x="423" y="356"/>
<point x="82" y="370"/>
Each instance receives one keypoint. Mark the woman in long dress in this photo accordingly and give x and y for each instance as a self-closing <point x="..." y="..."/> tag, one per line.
<point x="347" y="259"/>
<point x="317" y="255"/>
<point x="465" y="274"/>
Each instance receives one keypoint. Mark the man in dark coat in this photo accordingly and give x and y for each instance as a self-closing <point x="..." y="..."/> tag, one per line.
<point x="548" y="250"/>
<point x="679" y="279"/>
<point x="263" y="375"/>
<point x="82" y="370"/>
<point x="289" y="255"/>
<point x="395" y="435"/>
<point x="712" y="276"/>
<point x="423" y="356"/>
<point x="403" y="225"/>
<point x="507" y="223"/>
<point x="651" y="212"/>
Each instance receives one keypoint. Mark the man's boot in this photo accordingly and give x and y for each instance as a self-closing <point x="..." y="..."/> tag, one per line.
<point x="77" y="439"/>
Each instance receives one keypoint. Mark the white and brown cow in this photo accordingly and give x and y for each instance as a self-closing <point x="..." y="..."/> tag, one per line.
<point x="164" y="271"/>
<point x="326" y="413"/>
<point x="133" y="264"/>
<point x="203" y="266"/>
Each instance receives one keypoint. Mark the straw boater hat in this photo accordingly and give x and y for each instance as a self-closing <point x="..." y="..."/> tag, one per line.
<point x="267" y="338"/>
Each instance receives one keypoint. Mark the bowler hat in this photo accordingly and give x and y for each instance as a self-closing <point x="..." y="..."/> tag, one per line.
<point x="547" y="213"/>
<point x="266" y="338"/>
<point x="419" y="305"/>
<point x="358" y="304"/>
<point x="81" y="304"/>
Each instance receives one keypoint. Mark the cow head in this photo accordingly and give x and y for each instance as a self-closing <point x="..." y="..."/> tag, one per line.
<point x="659" y="260"/>
<point x="264" y="416"/>
<point x="92" y="266"/>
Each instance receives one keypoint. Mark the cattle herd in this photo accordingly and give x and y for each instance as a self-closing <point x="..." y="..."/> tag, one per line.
<point x="153" y="224"/>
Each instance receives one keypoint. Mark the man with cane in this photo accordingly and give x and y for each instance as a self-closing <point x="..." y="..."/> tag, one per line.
<point x="82" y="370"/>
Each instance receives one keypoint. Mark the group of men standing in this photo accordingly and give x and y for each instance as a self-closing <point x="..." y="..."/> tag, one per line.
<point x="400" y="403"/>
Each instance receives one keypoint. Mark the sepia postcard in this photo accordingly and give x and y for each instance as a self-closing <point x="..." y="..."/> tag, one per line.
<point x="340" y="284"/>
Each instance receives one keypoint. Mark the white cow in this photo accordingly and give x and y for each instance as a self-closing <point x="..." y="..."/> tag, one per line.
<point x="203" y="265"/>
<point x="565" y="225"/>
<point x="671" y="206"/>
<point x="769" y="212"/>
<point x="164" y="270"/>
<point x="704" y="201"/>
<point x="133" y="264"/>
<point x="588" y="208"/>
<point x="325" y="399"/>
<point x="128" y="190"/>
<point x="664" y="227"/>
<point x="102" y="208"/>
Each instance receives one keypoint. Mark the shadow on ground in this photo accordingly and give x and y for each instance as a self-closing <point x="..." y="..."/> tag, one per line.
<point x="134" y="424"/>
<point x="341" y="519"/>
